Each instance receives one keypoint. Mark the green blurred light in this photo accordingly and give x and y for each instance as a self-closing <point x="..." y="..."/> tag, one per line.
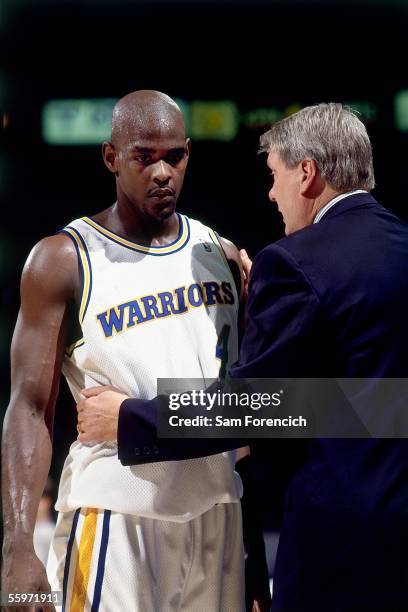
<point x="366" y="109"/>
<point x="185" y="109"/>
<point x="261" y="117"/>
<point x="77" y="122"/>
<point x="401" y="110"/>
<point x="83" y="122"/>
<point x="214" y="120"/>
<point x="87" y="122"/>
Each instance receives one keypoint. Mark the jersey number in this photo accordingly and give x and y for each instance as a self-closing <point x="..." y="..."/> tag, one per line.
<point x="221" y="350"/>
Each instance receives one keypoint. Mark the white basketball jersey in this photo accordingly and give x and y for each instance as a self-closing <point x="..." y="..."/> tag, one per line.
<point x="148" y="313"/>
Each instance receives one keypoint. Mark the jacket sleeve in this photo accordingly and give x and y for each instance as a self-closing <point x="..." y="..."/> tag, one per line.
<point x="138" y="441"/>
<point x="282" y="319"/>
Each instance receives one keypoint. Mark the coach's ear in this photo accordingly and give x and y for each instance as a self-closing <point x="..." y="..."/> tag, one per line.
<point x="310" y="178"/>
<point x="109" y="156"/>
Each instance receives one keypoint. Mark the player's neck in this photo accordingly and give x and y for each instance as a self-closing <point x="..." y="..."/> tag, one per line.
<point x="139" y="228"/>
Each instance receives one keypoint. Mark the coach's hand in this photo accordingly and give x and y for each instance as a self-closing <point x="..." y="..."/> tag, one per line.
<point x="24" y="573"/>
<point x="261" y="606"/>
<point x="98" y="414"/>
<point x="246" y="265"/>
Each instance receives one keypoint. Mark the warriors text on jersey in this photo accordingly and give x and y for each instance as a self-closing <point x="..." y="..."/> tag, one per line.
<point x="148" y="313"/>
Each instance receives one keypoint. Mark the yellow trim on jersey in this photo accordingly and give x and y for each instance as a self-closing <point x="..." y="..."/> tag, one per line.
<point x="71" y="348"/>
<point x="218" y="244"/>
<point x="162" y="250"/>
<point x="86" y="271"/>
<point x="83" y="566"/>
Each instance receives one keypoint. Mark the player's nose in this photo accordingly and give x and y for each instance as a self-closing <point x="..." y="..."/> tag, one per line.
<point x="161" y="173"/>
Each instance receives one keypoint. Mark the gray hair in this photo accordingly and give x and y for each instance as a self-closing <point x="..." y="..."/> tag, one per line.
<point x="330" y="134"/>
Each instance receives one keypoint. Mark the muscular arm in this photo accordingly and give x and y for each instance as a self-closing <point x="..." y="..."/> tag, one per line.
<point x="48" y="282"/>
<point x="235" y="264"/>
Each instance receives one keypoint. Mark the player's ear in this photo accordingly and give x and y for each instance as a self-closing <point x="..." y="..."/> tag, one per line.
<point x="109" y="156"/>
<point x="188" y="147"/>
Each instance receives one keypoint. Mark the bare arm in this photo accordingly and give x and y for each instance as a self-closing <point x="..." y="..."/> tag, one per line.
<point x="48" y="281"/>
<point x="235" y="264"/>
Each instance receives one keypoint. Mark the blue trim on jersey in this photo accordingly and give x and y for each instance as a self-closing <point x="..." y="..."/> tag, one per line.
<point x="101" y="561"/>
<point x="78" y="256"/>
<point x="148" y="250"/>
<point x="72" y="229"/>
<point x="69" y="351"/>
<point x="68" y="557"/>
<point x="90" y="269"/>
<point x="225" y="259"/>
<point x="180" y="247"/>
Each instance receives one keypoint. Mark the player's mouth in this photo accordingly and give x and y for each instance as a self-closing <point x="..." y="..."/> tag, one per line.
<point x="162" y="192"/>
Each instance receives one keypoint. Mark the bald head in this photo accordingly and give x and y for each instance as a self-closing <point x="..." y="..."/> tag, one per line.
<point x="143" y="114"/>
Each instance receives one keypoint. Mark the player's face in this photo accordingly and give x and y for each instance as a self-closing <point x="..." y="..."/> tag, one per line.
<point x="150" y="171"/>
<point x="286" y="193"/>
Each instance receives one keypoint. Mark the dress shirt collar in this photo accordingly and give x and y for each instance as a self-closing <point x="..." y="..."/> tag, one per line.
<point x="334" y="201"/>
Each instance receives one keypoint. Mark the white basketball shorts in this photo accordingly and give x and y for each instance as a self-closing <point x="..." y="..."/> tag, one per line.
<point x="104" y="561"/>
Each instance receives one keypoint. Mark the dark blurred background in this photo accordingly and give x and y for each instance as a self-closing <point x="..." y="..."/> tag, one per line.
<point x="254" y="61"/>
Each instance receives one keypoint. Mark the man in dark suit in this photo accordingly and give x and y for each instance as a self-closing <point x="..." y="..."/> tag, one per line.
<point x="328" y="300"/>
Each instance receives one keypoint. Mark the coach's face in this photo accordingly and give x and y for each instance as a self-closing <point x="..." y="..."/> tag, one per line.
<point x="286" y="191"/>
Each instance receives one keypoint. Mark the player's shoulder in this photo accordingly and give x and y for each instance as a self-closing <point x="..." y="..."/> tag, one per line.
<point x="53" y="249"/>
<point x="230" y="249"/>
<point x="208" y="231"/>
<point x="52" y="265"/>
<point x="195" y="224"/>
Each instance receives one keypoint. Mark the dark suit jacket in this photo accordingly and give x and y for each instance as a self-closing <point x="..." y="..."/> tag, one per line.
<point x="330" y="300"/>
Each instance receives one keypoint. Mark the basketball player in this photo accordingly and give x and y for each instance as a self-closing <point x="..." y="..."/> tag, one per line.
<point x="155" y="298"/>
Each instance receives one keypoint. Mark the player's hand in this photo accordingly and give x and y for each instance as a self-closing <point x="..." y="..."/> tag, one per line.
<point x="23" y="573"/>
<point x="98" y="414"/>
<point x="246" y="265"/>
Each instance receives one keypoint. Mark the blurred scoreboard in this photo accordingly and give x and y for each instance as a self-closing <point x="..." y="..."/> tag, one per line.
<point x="87" y="121"/>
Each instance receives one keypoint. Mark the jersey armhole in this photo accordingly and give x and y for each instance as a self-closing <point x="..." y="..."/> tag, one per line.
<point x="85" y="268"/>
<point x="217" y="241"/>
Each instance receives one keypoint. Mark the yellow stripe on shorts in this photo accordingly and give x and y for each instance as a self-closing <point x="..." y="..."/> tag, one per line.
<point x="83" y="565"/>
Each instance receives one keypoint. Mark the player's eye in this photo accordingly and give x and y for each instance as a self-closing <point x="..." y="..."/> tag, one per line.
<point x="174" y="158"/>
<point x="144" y="159"/>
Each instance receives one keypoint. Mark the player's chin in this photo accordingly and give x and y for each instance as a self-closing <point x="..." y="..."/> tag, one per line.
<point x="165" y="208"/>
